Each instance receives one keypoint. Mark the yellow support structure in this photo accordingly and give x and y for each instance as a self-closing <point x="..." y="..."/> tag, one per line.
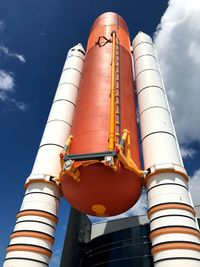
<point x="111" y="139"/>
<point x="124" y="154"/>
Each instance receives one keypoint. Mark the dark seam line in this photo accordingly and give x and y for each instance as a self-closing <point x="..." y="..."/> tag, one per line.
<point x="150" y="55"/>
<point x="75" y="56"/>
<point x="153" y="107"/>
<point x="43" y="194"/>
<point x="34" y="231"/>
<point x="174" y="226"/>
<point x="167" y="184"/>
<point x="171" y="215"/>
<point x="39" y="211"/>
<point x="29" y="245"/>
<point x="117" y="243"/>
<point x="183" y="204"/>
<point x="36" y="222"/>
<point x="61" y="121"/>
<point x="51" y="144"/>
<point x="156" y="133"/>
<point x="173" y="242"/>
<point x="91" y="252"/>
<point x="115" y="248"/>
<point x="144" y="71"/>
<point x="79" y="50"/>
<point x="150" y="87"/>
<point x="70" y="84"/>
<point x="28" y="259"/>
<point x="143" y="43"/>
<point x="72" y="69"/>
<point x="177" y="258"/>
<point x="61" y="99"/>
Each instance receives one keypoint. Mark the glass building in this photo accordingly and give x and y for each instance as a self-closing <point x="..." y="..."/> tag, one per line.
<point x="121" y="242"/>
<point x="127" y="247"/>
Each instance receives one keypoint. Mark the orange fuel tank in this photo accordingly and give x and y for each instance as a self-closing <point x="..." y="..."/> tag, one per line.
<point x="106" y="99"/>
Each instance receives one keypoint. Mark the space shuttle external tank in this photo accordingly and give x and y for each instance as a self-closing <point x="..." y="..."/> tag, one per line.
<point x="101" y="165"/>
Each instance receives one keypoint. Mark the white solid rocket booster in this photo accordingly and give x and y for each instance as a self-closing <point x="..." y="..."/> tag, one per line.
<point x="174" y="233"/>
<point x="33" y="236"/>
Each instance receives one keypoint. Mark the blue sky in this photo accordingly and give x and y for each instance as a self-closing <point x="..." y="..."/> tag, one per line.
<point x="34" y="39"/>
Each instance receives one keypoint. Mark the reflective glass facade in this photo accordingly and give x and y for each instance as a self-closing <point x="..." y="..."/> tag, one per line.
<point x="127" y="248"/>
<point x="122" y="242"/>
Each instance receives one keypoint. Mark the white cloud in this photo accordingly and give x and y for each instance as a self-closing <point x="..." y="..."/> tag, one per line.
<point x="4" y="50"/>
<point x="6" y="81"/>
<point x="177" y="41"/>
<point x="20" y="57"/>
<point x="187" y="152"/>
<point x="7" y="84"/>
<point x="2" y="96"/>
<point x="19" y="104"/>
<point x="194" y="186"/>
<point x="140" y="208"/>
<point x="2" y="25"/>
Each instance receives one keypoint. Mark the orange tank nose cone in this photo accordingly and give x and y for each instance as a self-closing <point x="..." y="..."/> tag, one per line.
<point x="102" y="192"/>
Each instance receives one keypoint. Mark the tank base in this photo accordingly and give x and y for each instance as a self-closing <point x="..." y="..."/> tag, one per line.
<point x="101" y="192"/>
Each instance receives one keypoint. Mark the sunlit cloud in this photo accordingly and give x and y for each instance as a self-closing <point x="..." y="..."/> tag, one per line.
<point x="5" y="51"/>
<point x="7" y="81"/>
<point x="7" y="84"/>
<point x="187" y="152"/>
<point x="19" y="104"/>
<point x="194" y="186"/>
<point x="177" y="43"/>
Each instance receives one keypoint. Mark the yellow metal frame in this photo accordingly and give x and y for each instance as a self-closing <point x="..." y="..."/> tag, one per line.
<point x="123" y="157"/>
<point x="66" y="150"/>
<point x="124" y="154"/>
<point x="111" y="138"/>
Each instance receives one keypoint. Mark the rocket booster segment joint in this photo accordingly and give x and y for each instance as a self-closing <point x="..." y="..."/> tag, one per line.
<point x="41" y="178"/>
<point x="165" y="168"/>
